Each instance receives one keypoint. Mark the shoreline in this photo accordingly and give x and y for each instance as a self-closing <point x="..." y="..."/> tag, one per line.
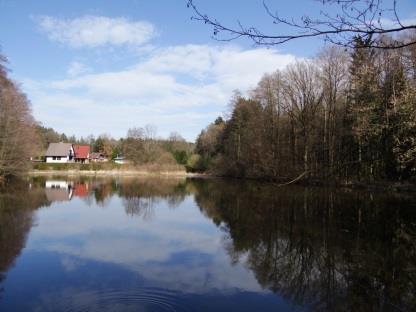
<point x="110" y="173"/>
<point x="353" y="185"/>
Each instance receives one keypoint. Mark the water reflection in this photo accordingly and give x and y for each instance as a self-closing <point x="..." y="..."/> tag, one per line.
<point x="332" y="250"/>
<point x="139" y="195"/>
<point x="254" y="246"/>
<point x="58" y="190"/>
<point x="16" y="219"/>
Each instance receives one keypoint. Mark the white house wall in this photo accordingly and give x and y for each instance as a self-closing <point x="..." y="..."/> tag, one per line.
<point x="49" y="159"/>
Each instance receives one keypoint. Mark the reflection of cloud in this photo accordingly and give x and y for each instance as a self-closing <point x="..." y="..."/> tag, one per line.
<point x="197" y="277"/>
<point x="70" y="263"/>
<point x="178" y="249"/>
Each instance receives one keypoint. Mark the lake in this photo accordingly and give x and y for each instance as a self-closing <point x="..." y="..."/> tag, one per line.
<point x="204" y="245"/>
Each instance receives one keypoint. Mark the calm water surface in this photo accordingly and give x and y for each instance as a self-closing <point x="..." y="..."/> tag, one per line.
<point x="204" y="245"/>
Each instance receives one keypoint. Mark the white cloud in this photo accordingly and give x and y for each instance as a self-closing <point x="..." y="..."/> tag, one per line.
<point x="94" y="31"/>
<point x="77" y="68"/>
<point x="179" y="88"/>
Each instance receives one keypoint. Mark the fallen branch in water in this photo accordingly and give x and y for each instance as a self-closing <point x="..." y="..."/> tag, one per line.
<point x="294" y="180"/>
<point x="330" y="173"/>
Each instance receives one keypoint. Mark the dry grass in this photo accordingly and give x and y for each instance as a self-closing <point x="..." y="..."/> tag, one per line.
<point x="108" y="169"/>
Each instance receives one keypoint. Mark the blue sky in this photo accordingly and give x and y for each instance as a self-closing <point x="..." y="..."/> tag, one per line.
<point x="93" y="67"/>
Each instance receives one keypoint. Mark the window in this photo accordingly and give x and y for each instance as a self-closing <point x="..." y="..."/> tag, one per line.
<point x="54" y="158"/>
<point x="58" y="158"/>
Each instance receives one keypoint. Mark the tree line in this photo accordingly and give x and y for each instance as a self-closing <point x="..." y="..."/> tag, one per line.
<point x="141" y="145"/>
<point x="345" y="114"/>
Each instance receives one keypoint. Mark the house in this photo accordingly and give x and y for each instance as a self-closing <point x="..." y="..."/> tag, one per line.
<point x="120" y="160"/>
<point x="97" y="157"/>
<point x="82" y="153"/>
<point x="59" y="153"/>
<point x="67" y="152"/>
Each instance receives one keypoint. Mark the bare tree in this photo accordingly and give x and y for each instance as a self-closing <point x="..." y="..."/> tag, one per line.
<point x="18" y="140"/>
<point x="151" y="147"/>
<point x="333" y="76"/>
<point x="367" y="19"/>
<point x="132" y="146"/>
<point x="304" y="97"/>
<point x="175" y="136"/>
<point x="150" y="132"/>
<point x="269" y="93"/>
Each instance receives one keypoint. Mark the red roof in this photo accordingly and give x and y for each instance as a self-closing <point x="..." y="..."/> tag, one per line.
<point x="81" y="151"/>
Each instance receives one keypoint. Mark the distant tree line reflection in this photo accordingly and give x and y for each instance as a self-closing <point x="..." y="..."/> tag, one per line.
<point x="138" y="195"/>
<point x="331" y="250"/>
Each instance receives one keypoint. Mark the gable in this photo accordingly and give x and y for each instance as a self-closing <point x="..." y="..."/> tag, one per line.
<point x="81" y="151"/>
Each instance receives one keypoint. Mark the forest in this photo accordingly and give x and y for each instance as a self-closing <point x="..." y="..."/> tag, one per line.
<point x="344" y="115"/>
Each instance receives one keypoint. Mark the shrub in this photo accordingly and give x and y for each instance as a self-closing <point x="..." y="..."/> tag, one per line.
<point x="195" y="163"/>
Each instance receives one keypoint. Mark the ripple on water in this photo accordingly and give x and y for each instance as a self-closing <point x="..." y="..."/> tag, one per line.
<point x="143" y="299"/>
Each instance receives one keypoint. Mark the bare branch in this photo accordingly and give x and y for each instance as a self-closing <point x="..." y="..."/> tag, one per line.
<point x="367" y="19"/>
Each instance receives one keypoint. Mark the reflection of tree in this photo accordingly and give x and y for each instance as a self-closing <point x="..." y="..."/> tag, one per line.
<point x="102" y="190"/>
<point x="141" y="207"/>
<point x="137" y="194"/>
<point x="317" y="247"/>
<point x="140" y="196"/>
<point x="17" y="203"/>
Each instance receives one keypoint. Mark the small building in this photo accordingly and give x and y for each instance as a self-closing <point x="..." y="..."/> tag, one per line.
<point x="97" y="157"/>
<point x="120" y="160"/>
<point x="59" y="153"/>
<point x="81" y="153"/>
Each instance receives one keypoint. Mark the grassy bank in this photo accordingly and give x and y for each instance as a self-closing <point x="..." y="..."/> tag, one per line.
<point x="106" y="169"/>
<point x="78" y="166"/>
